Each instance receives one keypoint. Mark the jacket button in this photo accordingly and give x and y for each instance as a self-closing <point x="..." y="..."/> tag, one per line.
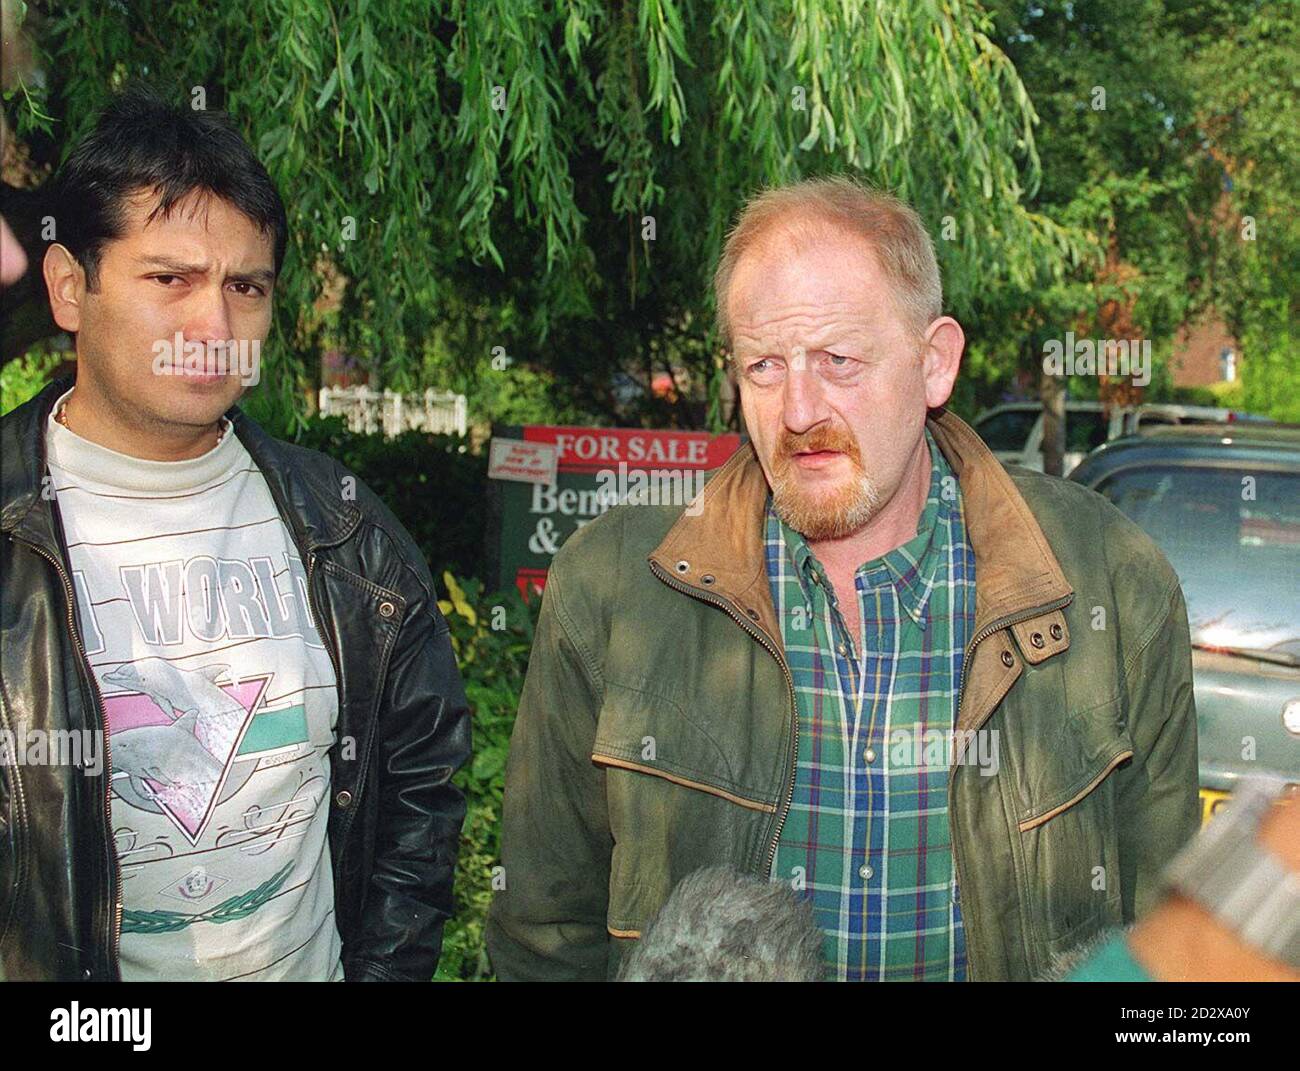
<point x="683" y="566"/>
<point x="708" y="578"/>
<point x="753" y="614"/>
<point x="1007" y="660"/>
<point x="387" y="609"/>
<point x="85" y="975"/>
<point x="1036" y="639"/>
<point x="1056" y="632"/>
<point x="344" y="798"/>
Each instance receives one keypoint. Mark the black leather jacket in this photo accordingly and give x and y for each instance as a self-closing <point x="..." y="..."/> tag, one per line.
<point x="403" y="724"/>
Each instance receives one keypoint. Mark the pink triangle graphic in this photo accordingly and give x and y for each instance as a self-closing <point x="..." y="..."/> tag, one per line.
<point x="171" y="755"/>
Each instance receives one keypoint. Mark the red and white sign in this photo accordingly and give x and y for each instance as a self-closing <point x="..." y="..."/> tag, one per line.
<point x="594" y="449"/>
<point x="526" y="462"/>
<point x="591" y="470"/>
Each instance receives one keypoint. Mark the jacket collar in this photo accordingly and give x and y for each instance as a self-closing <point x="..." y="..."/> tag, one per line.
<point x="717" y="548"/>
<point x="311" y="500"/>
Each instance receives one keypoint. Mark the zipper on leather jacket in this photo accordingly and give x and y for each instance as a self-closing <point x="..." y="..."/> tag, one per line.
<point x="982" y="634"/>
<point x="115" y="872"/>
<point x="726" y="606"/>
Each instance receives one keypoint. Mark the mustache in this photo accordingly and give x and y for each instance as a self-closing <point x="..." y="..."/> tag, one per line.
<point x="816" y="439"/>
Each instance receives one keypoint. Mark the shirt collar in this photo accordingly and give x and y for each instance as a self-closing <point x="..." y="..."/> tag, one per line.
<point x="911" y="567"/>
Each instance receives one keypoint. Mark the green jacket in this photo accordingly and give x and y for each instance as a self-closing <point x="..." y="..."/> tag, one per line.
<point x="657" y="730"/>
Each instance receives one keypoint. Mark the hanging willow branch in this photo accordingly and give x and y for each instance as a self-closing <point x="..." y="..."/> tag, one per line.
<point x="493" y="160"/>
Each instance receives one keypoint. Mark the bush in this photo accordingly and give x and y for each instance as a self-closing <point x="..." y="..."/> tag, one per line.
<point x="24" y="377"/>
<point x="491" y="636"/>
<point x="434" y="485"/>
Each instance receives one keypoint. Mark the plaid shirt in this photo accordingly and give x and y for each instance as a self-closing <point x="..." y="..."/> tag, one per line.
<point x="867" y="835"/>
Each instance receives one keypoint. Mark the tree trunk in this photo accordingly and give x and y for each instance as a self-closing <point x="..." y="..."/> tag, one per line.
<point x="1052" y="393"/>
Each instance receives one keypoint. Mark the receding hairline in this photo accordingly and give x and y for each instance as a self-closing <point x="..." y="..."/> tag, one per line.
<point x="891" y="230"/>
<point x="800" y="230"/>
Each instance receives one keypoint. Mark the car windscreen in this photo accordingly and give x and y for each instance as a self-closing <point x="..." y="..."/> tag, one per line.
<point x="1084" y="430"/>
<point x="1007" y="430"/>
<point x="1233" y="537"/>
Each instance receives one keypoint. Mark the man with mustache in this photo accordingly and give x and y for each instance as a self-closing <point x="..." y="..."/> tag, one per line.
<point x="947" y="702"/>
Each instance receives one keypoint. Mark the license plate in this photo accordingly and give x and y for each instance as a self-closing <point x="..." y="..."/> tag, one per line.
<point x="1211" y="801"/>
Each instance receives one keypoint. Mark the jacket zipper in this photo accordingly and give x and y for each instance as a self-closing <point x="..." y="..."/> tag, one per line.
<point x="725" y="605"/>
<point x="997" y="626"/>
<point x="317" y="620"/>
<point x="115" y="867"/>
<point x="982" y="634"/>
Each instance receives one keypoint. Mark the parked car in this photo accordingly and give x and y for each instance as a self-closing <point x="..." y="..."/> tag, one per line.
<point x="1014" y="431"/>
<point x="1223" y="503"/>
<point x="1143" y="418"/>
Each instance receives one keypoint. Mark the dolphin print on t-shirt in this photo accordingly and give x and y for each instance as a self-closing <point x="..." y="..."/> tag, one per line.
<point x="174" y="736"/>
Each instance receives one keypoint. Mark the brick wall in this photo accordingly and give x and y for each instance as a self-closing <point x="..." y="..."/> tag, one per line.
<point x="1197" y="348"/>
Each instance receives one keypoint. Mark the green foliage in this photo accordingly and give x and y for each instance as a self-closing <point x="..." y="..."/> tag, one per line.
<point x="1168" y="136"/>
<point x="450" y="157"/>
<point x="492" y="636"/>
<point x="1107" y="82"/>
<point x="1242" y="61"/>
<point x="23" y="378"/>
<point x="432" y="482"/>
<point x="1270" y="376"/>
<point x="980" y="385"/>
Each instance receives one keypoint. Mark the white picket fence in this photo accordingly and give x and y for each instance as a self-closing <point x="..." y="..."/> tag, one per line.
<point x="371" y="411"/>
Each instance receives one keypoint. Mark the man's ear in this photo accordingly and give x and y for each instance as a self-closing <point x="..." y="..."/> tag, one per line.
<point x="65" y="281"/>
<point x="941" y="357"/>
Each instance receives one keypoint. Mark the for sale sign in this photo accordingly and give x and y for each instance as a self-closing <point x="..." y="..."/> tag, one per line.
<point x="595" y="468"/>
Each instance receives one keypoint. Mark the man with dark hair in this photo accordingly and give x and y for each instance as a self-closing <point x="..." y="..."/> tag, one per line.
<point x="229" y="649"/>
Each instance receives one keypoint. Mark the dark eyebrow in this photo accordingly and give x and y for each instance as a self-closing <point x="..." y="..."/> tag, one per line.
<point x="259" y="276"/>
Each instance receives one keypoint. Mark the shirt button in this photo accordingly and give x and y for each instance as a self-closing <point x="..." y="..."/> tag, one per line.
<point x="956" y="895"/>
<point x="343" y="799"/>
<point x="865" y="872"/>
<point x="843" y="648"/>
<point x="869" y="755"/>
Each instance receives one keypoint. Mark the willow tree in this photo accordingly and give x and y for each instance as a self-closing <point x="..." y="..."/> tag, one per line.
<point x="522" y="185"/>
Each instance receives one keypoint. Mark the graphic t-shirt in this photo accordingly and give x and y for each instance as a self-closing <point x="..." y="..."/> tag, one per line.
<point x="221" y="704"/>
